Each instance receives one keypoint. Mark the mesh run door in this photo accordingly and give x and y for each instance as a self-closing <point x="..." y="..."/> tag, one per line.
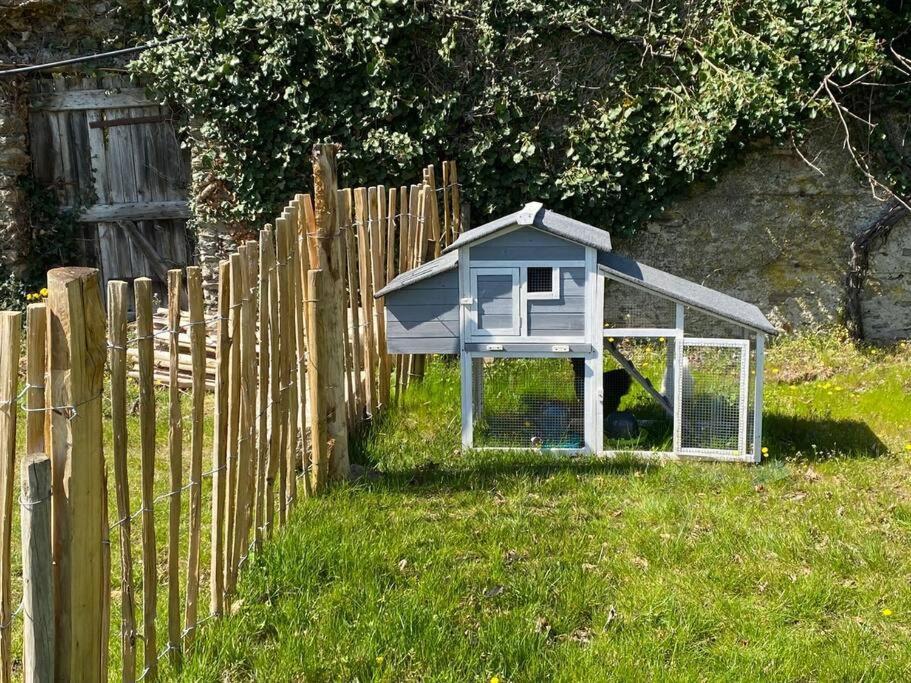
<point x="712" y="386"/>
<point x="528" y="403"/>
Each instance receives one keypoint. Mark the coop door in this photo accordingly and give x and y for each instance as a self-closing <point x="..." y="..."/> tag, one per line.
<point x="710" y="413"/>
<point x="496" y="302"/>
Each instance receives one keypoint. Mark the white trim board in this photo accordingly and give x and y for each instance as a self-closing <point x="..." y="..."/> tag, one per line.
<point x="488" y="333"/>
<point x="641" y="332"/>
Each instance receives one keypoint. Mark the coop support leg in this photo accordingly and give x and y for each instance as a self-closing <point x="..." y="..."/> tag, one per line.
<point x="757" y="398"/>
<point x="678" y="394"/>
<point x="467" y="384"/>
<point x="594" y="396"/>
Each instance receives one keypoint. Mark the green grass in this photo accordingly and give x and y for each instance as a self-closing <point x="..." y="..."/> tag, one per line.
<point x="452" y="567"/>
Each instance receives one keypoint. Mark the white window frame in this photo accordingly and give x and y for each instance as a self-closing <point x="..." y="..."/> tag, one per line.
<point x="554" y="292"/>
<point x="516" y="329"/>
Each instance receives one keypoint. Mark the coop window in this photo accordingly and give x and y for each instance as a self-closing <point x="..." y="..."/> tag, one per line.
<point x="542" y="282"/>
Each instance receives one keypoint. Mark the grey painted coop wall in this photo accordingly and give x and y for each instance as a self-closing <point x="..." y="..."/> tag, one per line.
<point x="561" y="317"/>
<point x="424" y="317"/>
<point x="526" y="245"/>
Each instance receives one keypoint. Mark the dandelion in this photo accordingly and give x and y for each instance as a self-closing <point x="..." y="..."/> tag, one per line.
<point x="43" y="291"/>
<point x="887" y="612"/>
<point x="611" y="340"/>
<point x="908" y="447"/>
<point x="661" y="339"/>
<point x="379" y="659"/>
<point x="765" y="451"/>
<point x="494" y="679"/>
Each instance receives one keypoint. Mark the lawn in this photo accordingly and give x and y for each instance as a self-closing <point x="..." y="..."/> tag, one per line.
<point x="524" y="567"/>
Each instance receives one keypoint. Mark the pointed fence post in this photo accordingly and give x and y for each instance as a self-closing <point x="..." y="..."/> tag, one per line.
<point x="332" y="357"/>
<point x="76" y="356"/>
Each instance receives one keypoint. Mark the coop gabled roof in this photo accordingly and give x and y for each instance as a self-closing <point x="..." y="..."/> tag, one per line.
<point x="683" y="291"/>
<point x="535" y="215"/>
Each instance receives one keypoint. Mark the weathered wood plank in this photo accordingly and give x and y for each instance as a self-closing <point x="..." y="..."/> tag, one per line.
<point x="120" y="162"/>
<point x="135" y="211"/>
<point x="90" y="99"/>
<point x="98" y="158"/>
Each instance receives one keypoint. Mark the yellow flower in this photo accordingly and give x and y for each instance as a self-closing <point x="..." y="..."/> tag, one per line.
<point x="43" y="291"/>
<point x="661" y="339"/>
<point x="494" y="679"/>
<point x="887" y="612"/>
<point x="908" y="446"/>
<point x="765" y="452"/>
<point x="611" y="340"/>
<point x="379" y="660"/>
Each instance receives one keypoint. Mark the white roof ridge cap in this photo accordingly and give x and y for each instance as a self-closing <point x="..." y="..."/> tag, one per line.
<point x="527" y="215"/>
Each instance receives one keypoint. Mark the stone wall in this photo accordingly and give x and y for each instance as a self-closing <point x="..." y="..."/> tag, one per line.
<point x="14" y="162"/>
<point x="32" y="32"/>
<point x="36" y="31"/>
<point x="777" y="233"/>
<point x="886" y="297"/>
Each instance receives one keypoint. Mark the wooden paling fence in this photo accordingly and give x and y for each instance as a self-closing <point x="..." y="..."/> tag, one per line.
<point x="266" y="370"/>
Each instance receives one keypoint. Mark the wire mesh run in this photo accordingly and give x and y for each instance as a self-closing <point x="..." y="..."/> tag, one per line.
<point x="628" y="307"/>
<point x="700" y="324"/>
<point x="713" y="409"/>
<point x="634" y="418"/>
<point x="528" y="403"/>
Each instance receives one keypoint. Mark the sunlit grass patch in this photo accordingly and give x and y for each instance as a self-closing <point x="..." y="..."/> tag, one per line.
<point x="526" y="566"/>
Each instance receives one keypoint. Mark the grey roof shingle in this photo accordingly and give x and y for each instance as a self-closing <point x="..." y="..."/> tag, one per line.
<point x="422" y="272"/>
<point x="683" y="291"/>
<point x="535" y="215"/>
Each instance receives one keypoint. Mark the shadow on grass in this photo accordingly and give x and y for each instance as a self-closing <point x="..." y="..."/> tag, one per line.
<point x="486" y="469"/>
<point x="444" y="467"/>
<point x="818" y="439"/>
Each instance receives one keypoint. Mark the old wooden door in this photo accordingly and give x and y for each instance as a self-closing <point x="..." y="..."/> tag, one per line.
<point x="111" y="153"/>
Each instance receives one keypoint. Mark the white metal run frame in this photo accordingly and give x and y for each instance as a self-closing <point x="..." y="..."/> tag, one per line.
<point x="741" y="346"/>
<point x="591" y="348"/>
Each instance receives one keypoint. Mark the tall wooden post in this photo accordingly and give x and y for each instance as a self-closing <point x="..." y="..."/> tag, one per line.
<point x="37" y="581"/>
<point x="357" y="353"/>
<point x="142" y="297"/>
<point x="76" y="338"/>
<point x="220" y="441"/>
<point x="317" y="389"/>
<point x="198" y="360"/>
<point x="117" y="336"/>
<point x="175" y="460"/>
<point x="10" y="324"/>
<point x="332" y="357"/>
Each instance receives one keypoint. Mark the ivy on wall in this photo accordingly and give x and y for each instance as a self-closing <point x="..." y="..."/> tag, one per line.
<point x="603" y="110"/>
